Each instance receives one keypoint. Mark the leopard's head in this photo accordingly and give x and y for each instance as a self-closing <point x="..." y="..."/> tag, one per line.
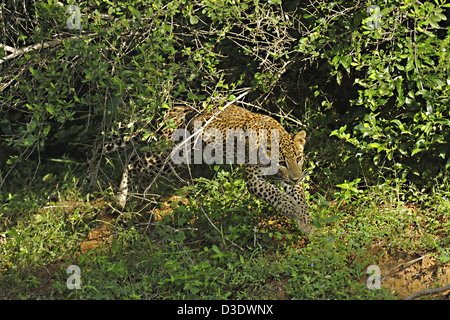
<point x="291" y="157"/>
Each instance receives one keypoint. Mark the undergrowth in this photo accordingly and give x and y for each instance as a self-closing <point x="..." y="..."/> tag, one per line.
<point x="214" y="242"/>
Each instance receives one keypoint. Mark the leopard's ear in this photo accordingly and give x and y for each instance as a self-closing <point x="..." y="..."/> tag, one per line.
<point x="300" y="138"/>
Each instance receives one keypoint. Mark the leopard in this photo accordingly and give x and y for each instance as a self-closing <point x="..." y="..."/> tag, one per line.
<point x="257" y="133"/>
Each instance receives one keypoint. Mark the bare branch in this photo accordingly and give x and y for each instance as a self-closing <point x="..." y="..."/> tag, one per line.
<point x="427" y="292"/>
<point x="38" y="46"/>
<point x="8" y="48"/>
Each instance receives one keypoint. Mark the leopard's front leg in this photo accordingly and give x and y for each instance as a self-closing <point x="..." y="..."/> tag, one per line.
<point x="285" y="203"/>
<point x="297" y="194"/>
<point x="121" y="198"/>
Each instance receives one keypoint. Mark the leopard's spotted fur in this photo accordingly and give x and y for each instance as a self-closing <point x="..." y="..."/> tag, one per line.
<point x="291" y="202"/>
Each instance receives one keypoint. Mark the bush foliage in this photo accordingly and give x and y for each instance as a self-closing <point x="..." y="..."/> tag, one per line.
<point x="375" y="76"/>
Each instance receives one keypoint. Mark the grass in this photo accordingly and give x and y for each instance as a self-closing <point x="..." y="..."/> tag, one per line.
<point x="214" y="241"/>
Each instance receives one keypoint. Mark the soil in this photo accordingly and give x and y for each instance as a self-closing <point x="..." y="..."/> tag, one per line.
<point x="408" y="278"/>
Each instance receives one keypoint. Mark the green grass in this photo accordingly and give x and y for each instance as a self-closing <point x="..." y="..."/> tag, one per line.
<point x="219" y="243"/>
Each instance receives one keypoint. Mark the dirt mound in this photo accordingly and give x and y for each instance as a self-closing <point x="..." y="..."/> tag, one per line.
<point x="405" y="274"/>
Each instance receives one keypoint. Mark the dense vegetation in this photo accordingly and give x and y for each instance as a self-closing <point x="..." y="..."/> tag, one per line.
<point x="368" y="81"/>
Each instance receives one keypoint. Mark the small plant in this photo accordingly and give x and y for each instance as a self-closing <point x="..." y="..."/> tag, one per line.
<point x="349" y="190"/>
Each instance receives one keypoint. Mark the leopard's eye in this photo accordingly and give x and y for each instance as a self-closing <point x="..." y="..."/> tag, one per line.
<point x="282" y="163"/>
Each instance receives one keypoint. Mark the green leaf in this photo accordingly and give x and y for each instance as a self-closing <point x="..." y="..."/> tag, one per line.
<point x="441" y="16"/>
<point x="46" y="130"/>
<point x="336" y="60"/>
<point x="417" y="150"/>
<point x="134" y="12"/>
<point x="433" y="24"/>
<point x="47" y="176"/>
<point x="50" y="109"/>
<point x="373" y="145"/>
<point x="35" y="72"/>
<point x="193" y="19"/>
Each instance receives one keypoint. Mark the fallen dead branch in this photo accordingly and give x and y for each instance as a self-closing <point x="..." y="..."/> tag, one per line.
<point x="427" y="292"/>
